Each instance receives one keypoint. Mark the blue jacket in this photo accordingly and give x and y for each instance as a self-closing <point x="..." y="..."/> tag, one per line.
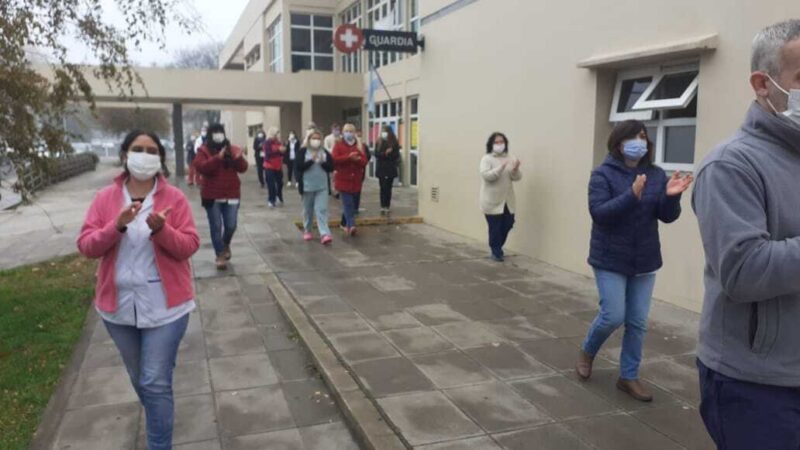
<point x="625" y="229"/>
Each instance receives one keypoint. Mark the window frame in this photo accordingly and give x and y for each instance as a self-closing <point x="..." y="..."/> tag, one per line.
<point x="275" y="45"/>
<point x="669" y="103"/>
<point x="616" y="116"/>
<point x="312" y="28"/>
<point x="661" y="126"/>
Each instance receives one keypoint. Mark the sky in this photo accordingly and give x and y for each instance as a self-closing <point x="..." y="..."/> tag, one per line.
<point x="218" y="18"/>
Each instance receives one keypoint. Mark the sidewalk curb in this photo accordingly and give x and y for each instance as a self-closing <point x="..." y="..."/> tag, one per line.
<point x="364" y="418"/>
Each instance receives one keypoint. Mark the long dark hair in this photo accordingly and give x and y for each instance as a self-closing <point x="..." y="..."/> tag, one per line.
<point x="391" y="139"/>
<point x="490" y="142"/>
<point x="130" y="137"/>
<point x="627" y="130"/>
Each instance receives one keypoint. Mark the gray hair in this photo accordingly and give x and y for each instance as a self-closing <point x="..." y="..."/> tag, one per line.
<point x="768" y="44"/>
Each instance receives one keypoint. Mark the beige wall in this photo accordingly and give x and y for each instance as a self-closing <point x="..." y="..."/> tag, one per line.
<point x="521" y="78"/>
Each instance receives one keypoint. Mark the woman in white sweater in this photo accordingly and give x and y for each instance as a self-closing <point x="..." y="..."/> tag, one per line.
<point x="498" y="172"/>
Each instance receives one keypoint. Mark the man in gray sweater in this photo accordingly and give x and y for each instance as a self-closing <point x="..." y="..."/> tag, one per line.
<point x="747" y="200"/>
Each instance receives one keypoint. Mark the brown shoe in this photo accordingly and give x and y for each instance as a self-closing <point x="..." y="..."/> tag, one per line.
<point x="635" y="389"/>
<point x="227" y="253"/>
<point x="222" y="263"/>
<point x="584" y="365"/>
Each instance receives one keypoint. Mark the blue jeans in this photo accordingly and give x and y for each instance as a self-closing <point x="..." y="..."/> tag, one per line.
<point x="222" y="220"/>
<point x="743" y="416"/>
<point x="499" y="227"/>
<point x="274" y="185"/>
<point x="623" y="300"/>
<point x="149" y="355"/>
<point x="348" y="209"/>
<point x="316" y="204"/>
<point x="356" y="206"/>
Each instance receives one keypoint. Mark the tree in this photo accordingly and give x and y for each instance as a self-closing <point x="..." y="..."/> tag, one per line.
<point x="203" y="56"/>
<point x="33" y="106"/>
<point x="122" y="120"/>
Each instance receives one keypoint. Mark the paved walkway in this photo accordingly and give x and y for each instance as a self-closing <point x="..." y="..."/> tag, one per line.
<point x="456" y="351"/>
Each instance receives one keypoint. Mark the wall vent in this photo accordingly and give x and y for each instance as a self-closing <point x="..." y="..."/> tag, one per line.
<point x="435" y="194"/>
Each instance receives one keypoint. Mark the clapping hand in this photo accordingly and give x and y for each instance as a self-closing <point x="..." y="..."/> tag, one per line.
<point x="156" y="221"/>
<point x="678" y="185"/>
<point x="355" y="156"/>
<point x="516" y="164"/>
<point x="638" y="185"/>
<point x="127" y="214"/>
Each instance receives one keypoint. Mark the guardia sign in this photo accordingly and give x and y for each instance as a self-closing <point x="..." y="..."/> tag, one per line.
<point x="349" y="39"/>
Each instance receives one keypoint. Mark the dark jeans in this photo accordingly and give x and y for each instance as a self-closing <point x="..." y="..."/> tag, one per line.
<point x="499" y="227"/>
<point x="386" y="191"/>
<point x="149" y="355"/>
<point x="290" y="170"/>
<point x="349" y="207"/>
<point x="222" y="220"/>
<point x="744" y="416"/>
<point x="356" y="203"/>
<point x="274" y="185"/>
<point x="260" y="170"/>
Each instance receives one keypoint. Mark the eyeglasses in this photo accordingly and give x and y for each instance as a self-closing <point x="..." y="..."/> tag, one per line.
<point x="141" y="149"/>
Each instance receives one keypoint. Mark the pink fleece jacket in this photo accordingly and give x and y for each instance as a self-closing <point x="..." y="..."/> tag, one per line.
<point x="174" y="244"/>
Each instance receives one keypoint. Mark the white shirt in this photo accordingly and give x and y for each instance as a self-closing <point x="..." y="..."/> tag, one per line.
<point x="198" y="143"/>
<point x="141" y="301"/>
<point x="497" y="188"/>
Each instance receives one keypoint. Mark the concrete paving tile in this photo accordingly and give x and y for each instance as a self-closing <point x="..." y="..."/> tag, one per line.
<point x="235" y="342"/>
<point x="227" y="318"/>
<point x="621" y="431"/>
<point x="362" y="346"/>
<point x="675" y="378"/>
<point x="394" y="321"/>
<point x="496" y="407"/>
<point x="526" y="287"/>
<point x="192" y="348"/>
<point x="523" y="306"/>
<point x="328" y="436"/>
<point x="333" y="324"/>
<point x="484" y="291"/>
<point x="688" y="361"/>
<point x="681" y="423"/>
<point x="310" y="402"/>
<point x="391" y="376"/>
<point x="279" y="337"/>
<point x="481" y="310"/>
<point x="604" y="381"/>
<point x="99" y="428"/>
<point x="451" y="369"/>
<point x="253" y="411"/>
<point x="436" y="314"/>
<point x="567" y="302"/>
<point x="390" y="283"/>
<point x="468" y="335"/>
<point x="507" y="363"/>
<point x="195" y="419"/>
<point x="327" y="305"/>
<point x="562" y="398"/>
<point x="560" y="354"/>
<point x="102" y="386"/>
<point x="242" y="372"/>
<point x="480" y="443"/>
<point x="267" y="314"/>
<point x="309" y="289"/>
<point x="205" y="445"/>
<point x="191" y="378"/>
<point x="292" y="365"/>
<point x="101" y="355"/>
<point x="100" y="334"/>
<point x="515" y="329"/>
<point x="560" y="325"/>
<point x="547" y="437"/>
<point x="417" y="341"/>
<point x="669" y="344"/>
<point x="275" y="440"/>
<point x="428" y="417"/>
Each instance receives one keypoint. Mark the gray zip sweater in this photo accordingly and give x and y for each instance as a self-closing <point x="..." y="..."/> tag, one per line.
<point x="747" y="200"/>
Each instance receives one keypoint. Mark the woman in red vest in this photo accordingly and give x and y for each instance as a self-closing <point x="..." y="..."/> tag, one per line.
<point x="350" y="159"/>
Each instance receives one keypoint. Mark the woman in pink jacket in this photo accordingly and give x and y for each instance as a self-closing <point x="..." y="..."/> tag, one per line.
<point x="141" y="228"/>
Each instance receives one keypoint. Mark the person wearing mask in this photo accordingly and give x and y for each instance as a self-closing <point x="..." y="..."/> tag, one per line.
<point x="220" y="163"/>
<point x="190" y="154"/>
<point x="498" y="172"/>
<point x="746" y="205"/>
<point x="628" y="196"/>
<point x="313" y="167"/>
<point x="292" y="146"/>
<point x="387" y="155"/>
<point x="334" y="137"/>
<point x="350" y="159"/>
<point x="274" y="150"/>
<point x="142" y="231"/>
<point x="258" y="144"/>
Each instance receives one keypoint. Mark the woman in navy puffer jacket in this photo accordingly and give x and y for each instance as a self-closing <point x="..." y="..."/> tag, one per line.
<point x="628" y="195"/>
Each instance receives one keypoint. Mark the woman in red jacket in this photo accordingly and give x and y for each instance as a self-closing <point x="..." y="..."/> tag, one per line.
<point x="142" y="230"/>
<point x="350" y="159"/>
<point x="273" y="151"/>
<point x="220" y="163"/>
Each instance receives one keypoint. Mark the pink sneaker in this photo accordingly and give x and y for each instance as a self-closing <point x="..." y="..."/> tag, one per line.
<point x="353" y="231"/>
<point x="308" y="236"/>
<point x="327" y="239"/>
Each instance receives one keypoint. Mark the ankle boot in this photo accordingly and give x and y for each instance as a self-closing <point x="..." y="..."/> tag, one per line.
<point x="635" y="389"/>
<point x="584" y="365"/>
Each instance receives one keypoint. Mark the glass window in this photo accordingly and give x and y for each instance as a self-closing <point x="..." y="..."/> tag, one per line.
<point x="301" y="19"/>
<point x="324" y="63"/>
<point x="323" y="41"/>
<point x="631" y="91"/>
<point x="276" y="46"/>
<point x="672" y="85"/>
<point x="679" y="144"/>
<point x="311" y="40"/>
<point x="301" y="62"/>
<point x="301" y="40"/>
<point x="323" y="22"/>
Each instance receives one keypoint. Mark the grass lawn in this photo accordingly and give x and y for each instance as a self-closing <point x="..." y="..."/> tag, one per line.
<point x="42" y="310"/>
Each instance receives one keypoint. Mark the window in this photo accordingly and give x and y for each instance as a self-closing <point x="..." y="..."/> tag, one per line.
<point x="312" y="42"/>
<point x="386" y="113"/>
<point x="413" y="11"/>
<point x="352" y="63"/>
<point x="385" y="15"/>
<point x="275" y="39"/>
<point x="253" y="56"/>
<point x="665" y="99"/>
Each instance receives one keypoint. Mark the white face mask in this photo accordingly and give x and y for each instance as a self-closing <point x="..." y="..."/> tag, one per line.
<point x="143" y="166"/>
<point x="219" y="138"/>
<point x="314" y="143"/>
<point x="261" y="135"/>
<point x="384" y="135"/>
<point x="792" y="105"/>
<point x="499" y="148"/>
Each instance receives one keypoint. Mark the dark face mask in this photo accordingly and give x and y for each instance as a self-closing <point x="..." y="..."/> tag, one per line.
<point x="216" y="146"/>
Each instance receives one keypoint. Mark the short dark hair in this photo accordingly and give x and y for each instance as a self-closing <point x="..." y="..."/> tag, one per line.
<point x="490" y="142"/>
<point x="130" y="137"/>
<point x="625" y="131"/>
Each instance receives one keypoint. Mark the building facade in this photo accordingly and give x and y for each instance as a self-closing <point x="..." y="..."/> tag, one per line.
<point x="554" y="77"/>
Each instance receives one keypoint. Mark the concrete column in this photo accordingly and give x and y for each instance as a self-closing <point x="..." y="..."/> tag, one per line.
<point x="307" y="113"/>
<point x="177" y="138"/>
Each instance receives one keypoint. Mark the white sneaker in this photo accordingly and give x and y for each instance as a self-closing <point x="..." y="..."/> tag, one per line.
<point x="270" y="204"/>
<point x="289" y="184"/>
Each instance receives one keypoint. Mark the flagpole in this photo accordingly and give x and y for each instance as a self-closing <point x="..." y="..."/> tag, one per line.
<point x="382" y="84"/>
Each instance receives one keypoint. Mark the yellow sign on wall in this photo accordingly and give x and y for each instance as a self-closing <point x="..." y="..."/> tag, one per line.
<point x="414" y="134"/>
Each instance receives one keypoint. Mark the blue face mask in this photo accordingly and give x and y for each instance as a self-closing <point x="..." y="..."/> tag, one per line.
<point x="349" y="136"/>
<point x="635" y="149"/>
